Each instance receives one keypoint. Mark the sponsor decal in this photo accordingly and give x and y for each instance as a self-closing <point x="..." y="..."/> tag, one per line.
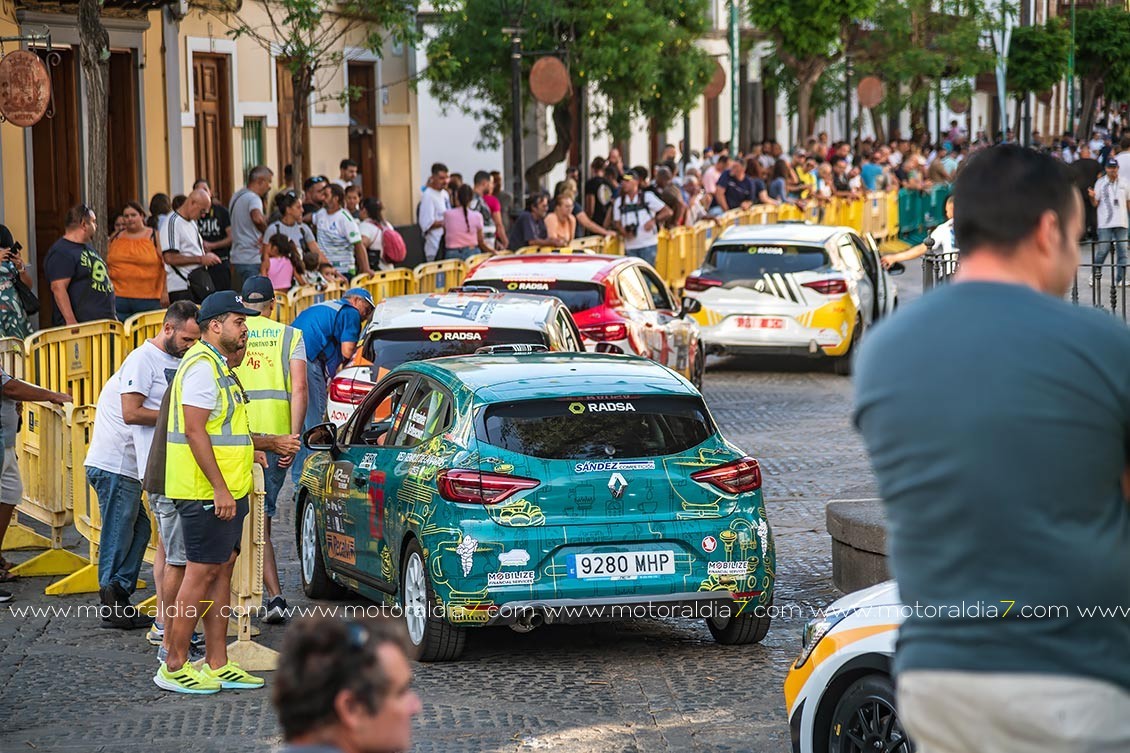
<point x="448" y="335"/>
<point x="580" y="408"/>
<point x="514" y="558"/>
<point x="605" y="466"/>
<point x="728" y="568"/>
<point x="577" y="408"/>
<point x="504" y="468"/>
<point x="466" y="552"/>
<point x="339" y="479"/>
<point x="617" y="484"/>
<point x="517" y="285"/>
<point x="419" y="458"/>
<point x="368" y="461"/>
<point x="510" y="578"/>
<point x="709" y="544"/>
<point x="774" y="250"/>
<point x="341" y="548"/>
<point x="418" y="416"/>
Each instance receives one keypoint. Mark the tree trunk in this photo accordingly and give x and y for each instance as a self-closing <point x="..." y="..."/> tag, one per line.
<point x="94" y="52"/>
<point x="563" y="127"/>
<point x="877" y="124"/>
<point x="1090" y="91"/>
<point x="302" y="79"/>
<point x="807" y="76"/>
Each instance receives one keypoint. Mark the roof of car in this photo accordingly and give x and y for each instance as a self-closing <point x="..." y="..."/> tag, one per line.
<point x="532" y="375"/>
<point x="510" y="310"/>
<point x="782" y="232"/>
<point x="574" y="267"/>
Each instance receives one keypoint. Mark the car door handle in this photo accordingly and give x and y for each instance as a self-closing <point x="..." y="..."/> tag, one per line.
<point x="360" y="481"/>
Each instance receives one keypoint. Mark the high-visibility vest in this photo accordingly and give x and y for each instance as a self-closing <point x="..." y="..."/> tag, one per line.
<point x="265" y="374"/>
<point x="229" y="433"/>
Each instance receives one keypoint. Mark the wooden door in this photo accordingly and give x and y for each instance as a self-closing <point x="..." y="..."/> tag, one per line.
<point x="285" y="89"/>
<point x="123" y="170"/>
<point x="55" y="167"/>
<point x="213" y="130"/>
<point x="363" y="125"/>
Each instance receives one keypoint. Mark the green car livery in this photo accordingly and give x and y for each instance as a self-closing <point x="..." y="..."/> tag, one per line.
<point x="532" y="488"/>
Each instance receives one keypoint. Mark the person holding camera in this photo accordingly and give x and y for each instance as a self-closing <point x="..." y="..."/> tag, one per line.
<point x="636" y="216"/>
<point x="13" y="314"/>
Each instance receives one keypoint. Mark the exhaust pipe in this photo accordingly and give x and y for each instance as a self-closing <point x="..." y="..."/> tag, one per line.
<point x="527" y="621"/>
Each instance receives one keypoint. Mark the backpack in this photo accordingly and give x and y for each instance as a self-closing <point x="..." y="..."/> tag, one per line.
<point x="393" y="247"/>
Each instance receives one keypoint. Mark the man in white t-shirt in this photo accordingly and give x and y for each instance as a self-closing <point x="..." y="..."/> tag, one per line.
<point x="944" y="247"/>
<point x="347" y="174"/>
<point x="636" y="216"/>
<point x="434" y="202"/>
<point x="1111" y="199"/>
<point x="119" y="449"/>
<point x="339" y="237"/>
<point x="182" y="246"/>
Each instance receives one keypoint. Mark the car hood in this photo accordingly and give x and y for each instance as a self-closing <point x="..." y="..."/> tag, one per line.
<point x="882" y="595"/>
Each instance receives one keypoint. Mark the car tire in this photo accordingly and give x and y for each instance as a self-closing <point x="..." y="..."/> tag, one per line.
<point x="699" y="365"/>
<point x="738" y="631"/>
<point x="842" y="364"/>
<point x="432" y="637"/>
<point x="316" y="581"/>
<point x="866" y="718"/>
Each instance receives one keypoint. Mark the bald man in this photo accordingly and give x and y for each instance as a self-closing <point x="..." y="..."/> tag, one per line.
<point x="183" y="248"/>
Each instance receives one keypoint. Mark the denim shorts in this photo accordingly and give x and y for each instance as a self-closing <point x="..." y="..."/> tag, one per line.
<point x="11" y="484"/>
<point x="207" y="539"/>
<point x="169" y="528"/>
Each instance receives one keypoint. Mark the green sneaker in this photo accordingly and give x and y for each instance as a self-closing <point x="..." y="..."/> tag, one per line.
<point x="187" y="679"/>
<point x="231" y="677"/>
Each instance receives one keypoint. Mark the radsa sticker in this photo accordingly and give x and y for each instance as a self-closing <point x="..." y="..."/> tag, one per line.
<point x="517" y="286"/>
<point x="455" y="335"/>
<point x="578" y="407"/>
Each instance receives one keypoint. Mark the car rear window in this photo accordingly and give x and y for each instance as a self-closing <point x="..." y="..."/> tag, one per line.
<point x="597" y="428"/>
<point x="387" y="348"/>
<point x="577" y="296"/>
<point x="749" y="260"/>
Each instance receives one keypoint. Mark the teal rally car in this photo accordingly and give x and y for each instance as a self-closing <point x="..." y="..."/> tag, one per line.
<point x="528" y="488"/>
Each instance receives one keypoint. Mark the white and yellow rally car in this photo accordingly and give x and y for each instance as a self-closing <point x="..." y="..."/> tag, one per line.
<point x="839" y="693"/>
<point x="791" y="288"/>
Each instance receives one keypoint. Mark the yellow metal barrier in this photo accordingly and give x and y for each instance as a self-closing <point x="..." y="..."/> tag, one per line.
<point x="892" y="215"/>
<point x="384" y="285"/>
<point x="439" y="276"/>
<point x="283" y="310"/>
<point x="46" y="450"/>
<point x="304" y="297"/>
<point x="141" y="327"/>
<point x="78" y="359"/>
<point x="12" y="356"/>
<point x="247" y="587"/>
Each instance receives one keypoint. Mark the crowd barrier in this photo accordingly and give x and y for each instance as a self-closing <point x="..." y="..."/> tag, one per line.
<point x="439" y="276"/>
<point x="303" y="297"/>
<point x="388" y="284"/>
<point x="247" y="587"/>
<point x="141" y="327"/>
<point x="919" y="212"/>
<point x="77" y="360"/>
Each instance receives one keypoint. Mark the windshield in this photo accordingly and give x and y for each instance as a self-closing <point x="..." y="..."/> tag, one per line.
<point x="388" y="348"/>
<point x="597" y="428"/>
<point x="746" y="261"/>
<point x="577" y="296"/>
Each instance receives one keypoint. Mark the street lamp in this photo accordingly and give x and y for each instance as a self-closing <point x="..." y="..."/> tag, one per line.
<point x="1071" y="74"/>
<point x="513" y="10"/>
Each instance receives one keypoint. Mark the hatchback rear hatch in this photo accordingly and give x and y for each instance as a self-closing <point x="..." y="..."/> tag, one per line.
<point x="737" y="273"/>
<point x="609" y="459"/>
<point x="578" y="296"/>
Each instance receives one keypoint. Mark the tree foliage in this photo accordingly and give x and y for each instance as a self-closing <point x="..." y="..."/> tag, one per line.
<point x="809" y="35"/>
<point x="309" y="37"/>
<point x="638" y="58"/>
<point x="1102" y="37"/>
<point x="827" y="94"/>
<point x="1037" y="57"/>
<point x="917" y="45"/>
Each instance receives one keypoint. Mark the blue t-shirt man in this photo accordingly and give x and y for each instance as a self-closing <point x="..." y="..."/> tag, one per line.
<point x="738" y="191"/>
<point x="869" y="174"/>
<point x="325" y="326"/>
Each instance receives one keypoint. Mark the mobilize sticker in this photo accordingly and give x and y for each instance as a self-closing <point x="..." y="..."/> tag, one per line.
<point x="728" y="568"/>
<point x="578" y="408"/>
<point x="448" y="335"/>
<point x="603" y="466"/>
<point x="510" y="578"/>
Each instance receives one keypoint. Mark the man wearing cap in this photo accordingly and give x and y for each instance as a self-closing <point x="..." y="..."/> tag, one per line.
<point x="274" y="374"/>
<point x="208" y="459"/>
<point x="1111" y="198"/>
<point x="331" y="331"/>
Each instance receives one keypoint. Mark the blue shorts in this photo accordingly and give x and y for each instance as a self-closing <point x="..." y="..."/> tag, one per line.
<point x="207" y="539"/>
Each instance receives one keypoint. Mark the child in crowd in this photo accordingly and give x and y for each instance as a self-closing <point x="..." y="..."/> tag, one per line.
<point x="313" y="275"/>
<point x="283" y="263"/>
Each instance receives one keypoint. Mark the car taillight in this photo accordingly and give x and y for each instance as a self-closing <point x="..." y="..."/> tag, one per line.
<point x="733" y="478"/>
<point x="828" y="287"/>
<point x="698" y="284"/>
<point x="605" y="332"/>
<point x="478" y="488"/>
<point x="345" y="390"/>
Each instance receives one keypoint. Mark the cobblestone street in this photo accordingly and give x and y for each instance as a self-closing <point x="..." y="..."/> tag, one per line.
<point x="67" y="685"/>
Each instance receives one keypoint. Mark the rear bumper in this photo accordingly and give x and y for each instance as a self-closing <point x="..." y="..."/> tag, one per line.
<point x="812" y="350"/>
<point x="612" y="608"/>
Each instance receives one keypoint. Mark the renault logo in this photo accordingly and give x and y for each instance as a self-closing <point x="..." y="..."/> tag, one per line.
<point x="617" y="484"/>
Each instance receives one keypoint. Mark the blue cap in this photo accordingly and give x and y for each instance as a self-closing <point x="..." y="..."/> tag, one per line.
<point x="223" y="302"/>
<point x="258" y="289"/>
<point x="1112" y="162"/>
<point x="360" y="293"/>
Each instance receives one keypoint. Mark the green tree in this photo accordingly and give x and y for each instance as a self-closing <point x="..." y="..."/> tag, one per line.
<point x="917" y="46"/>
<point x="1102" y="36"/>
<point x="809" y="35"/>
<point x="309" y="37"/>
<point x="1037" y="58"/>
<point x="827" y="94"/>
<point x="637" y="60"/>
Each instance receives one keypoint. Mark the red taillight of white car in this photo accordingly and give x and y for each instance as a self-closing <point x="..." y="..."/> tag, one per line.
<point x="476" y="488"/>
<point x="699" y="284"/>
<point x="352" y="391"/>
<point x="828" y="287"/>
<point x="605" y="332"/>
<point x="737" y="477"/>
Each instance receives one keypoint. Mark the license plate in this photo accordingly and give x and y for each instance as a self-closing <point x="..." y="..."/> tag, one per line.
<point x="760" y="322"/>
<point x="621" y="565"/>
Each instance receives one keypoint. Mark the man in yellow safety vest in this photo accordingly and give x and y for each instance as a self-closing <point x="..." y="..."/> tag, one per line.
<point x="274" y="374"/>
<point x="208" y="459"/>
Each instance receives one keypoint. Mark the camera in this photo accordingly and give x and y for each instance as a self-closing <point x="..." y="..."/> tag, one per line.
<point x="630" y="230"/>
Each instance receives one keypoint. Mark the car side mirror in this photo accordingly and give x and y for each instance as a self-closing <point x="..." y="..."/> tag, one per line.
<point x="690" y="306"/>
<point x="321" y="438"/>
<point x="896" y="268"/>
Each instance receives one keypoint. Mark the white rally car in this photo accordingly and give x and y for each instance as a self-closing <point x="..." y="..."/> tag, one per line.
<point x="433" y="325"/>
<point x="839" y="693"/>
<point x="791" y="288"/>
